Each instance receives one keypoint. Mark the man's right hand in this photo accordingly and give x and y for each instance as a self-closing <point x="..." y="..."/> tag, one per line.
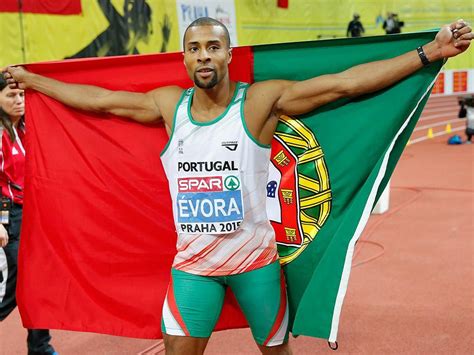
<point x="16" y="77"/>
<point x="3" y="236"/>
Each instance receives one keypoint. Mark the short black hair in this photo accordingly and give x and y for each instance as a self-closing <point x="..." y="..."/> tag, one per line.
<point x="3" y="82"/>
<point x="207" y="21"/>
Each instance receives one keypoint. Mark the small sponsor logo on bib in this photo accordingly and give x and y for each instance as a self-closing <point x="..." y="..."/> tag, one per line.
<point x="231" y="183"/>
<point x="232" y="146"/>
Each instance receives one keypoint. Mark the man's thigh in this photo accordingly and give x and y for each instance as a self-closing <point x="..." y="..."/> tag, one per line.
<point x="192" y="306"/>
<point x="261" y="294"/>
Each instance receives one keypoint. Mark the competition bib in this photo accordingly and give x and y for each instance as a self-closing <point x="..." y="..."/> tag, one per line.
<point x="210" y="204"/>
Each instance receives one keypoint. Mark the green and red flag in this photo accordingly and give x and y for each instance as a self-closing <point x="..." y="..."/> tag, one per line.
<point x="98" y="237"/>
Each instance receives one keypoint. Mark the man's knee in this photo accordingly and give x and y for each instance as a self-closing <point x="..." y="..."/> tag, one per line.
<point x="283" y="349"/>
<point x="183" y="345"/>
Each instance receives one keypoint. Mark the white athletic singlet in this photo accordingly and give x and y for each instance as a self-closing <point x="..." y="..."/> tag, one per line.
<point x="217" y="175"/>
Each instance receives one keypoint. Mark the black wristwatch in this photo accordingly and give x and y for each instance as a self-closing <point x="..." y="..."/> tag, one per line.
<point x="422" y="55"/>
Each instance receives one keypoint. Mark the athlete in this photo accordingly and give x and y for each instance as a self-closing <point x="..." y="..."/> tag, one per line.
<point x="217" y="162"/>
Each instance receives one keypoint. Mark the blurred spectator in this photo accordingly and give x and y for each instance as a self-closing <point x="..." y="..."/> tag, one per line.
<point x="355" y="28"/>
<point x="392" y="24"/>
<point x="469" y="114"/>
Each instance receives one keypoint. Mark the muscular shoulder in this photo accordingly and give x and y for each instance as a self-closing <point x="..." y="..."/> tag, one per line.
<point x="263" y="96"/>
<point x="166" y="98"/>
<point x="259" y="110"/>
<point x="166" y="93"/>
<point x="269" y="90"/>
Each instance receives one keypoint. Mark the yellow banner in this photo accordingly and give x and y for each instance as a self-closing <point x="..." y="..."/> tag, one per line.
<point x="116" y="27"/>
<point x="105" y="27"/>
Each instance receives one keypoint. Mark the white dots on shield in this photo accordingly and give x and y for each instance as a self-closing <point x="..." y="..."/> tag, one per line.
<point x="271" y="189"/>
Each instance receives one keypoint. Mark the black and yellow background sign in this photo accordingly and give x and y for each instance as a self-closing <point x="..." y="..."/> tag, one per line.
<point x="114" y="27"/>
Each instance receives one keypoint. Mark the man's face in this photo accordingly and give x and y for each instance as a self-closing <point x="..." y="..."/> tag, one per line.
<point x="206" y="55"/>
<point x="12" y="101"/>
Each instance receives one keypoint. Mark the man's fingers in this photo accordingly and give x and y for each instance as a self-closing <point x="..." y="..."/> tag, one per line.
<point x="7" y="75"/>
<point x="453" y="26"/>
<point x="11" y="69"/>
<point x="462" y="31"/>
<point x="458" y="24"/>
<point x="12" y="83"/>
<point x="462" y="44"/>
<point x="466" y="36"/>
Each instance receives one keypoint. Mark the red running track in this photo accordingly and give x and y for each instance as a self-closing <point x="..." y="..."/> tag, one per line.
<point x="411" y="289"/>
<point x="439" y="112"/>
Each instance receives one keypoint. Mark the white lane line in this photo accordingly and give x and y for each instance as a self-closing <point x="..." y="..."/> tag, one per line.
<point x="421" y="139"/>
<point x="428" y="117"/>
<point x="456" y="120"/>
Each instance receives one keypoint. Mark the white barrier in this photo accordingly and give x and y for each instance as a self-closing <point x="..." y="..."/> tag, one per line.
<point x="383" y="202"/>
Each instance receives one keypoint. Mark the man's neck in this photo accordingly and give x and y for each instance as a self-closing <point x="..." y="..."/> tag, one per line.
<point x="219" y="96"/>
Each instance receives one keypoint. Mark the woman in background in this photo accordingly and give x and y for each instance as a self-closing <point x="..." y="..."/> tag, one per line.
<point x="12" y="173"/>
<point x="470" y="119"/>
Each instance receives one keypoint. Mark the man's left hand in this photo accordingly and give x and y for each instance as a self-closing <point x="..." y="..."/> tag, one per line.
<point x="454" y="39"/>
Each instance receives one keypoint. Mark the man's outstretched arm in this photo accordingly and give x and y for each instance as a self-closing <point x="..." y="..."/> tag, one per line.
<point x="137" y="106"/>
<point x="304" y="96"/>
